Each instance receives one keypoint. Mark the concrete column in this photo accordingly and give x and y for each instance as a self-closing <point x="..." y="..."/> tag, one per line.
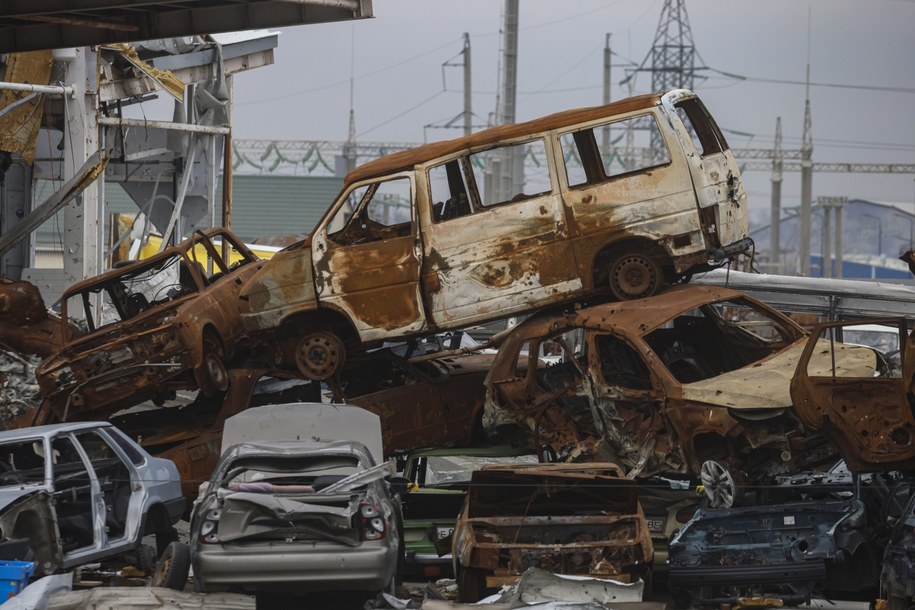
<point x="83" y="217"/>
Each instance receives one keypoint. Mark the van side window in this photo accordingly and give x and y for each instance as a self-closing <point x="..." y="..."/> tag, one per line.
<point x="703" y="130"/>
<point x="586" y="164"/>
<point x="383" y="212"/>
<point x="493" y="167"/>
<point x="450" y="196"/>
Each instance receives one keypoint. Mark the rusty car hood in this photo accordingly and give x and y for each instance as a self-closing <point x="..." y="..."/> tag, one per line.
<point x="766" y="384"/>
<point x="285" y="280"/>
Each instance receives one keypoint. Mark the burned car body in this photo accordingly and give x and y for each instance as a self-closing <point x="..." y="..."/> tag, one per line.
<point x="76" y="493"/>
<point x="420" y="241"/>
<point x="581" y="519"/>
<point x="868" y="418"/>
<point x="664" y="385"/>
<point x="441" y="478"/>
<point x="297" y="516"/>
<point x="168" y="322"/>
<point x="811" y="533"/>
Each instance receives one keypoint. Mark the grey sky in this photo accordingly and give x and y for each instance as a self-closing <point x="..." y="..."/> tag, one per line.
<point x="399" y="53"/>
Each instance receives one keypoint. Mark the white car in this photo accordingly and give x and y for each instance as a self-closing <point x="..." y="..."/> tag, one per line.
<point x="81" y="492"/>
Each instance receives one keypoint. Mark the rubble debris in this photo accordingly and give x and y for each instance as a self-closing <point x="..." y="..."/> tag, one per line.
<point x="360" y="278"/>
<point x="574" y="519"/>
<point x="665" y="385"/>
<point x="19" y="391"/>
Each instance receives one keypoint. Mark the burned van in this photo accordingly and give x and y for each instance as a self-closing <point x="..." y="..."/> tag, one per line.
<point x="452" y="233"/>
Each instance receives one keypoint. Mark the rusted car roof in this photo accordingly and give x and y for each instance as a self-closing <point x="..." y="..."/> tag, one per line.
<point x="644" y="314"/>
<point x="408" y="158"/>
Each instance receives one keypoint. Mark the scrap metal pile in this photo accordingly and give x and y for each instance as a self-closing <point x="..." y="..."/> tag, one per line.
<point x="803" y="445"/>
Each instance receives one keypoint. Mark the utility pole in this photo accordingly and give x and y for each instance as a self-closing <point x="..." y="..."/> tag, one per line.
<point x="775" y="219"/>
<point x="806" y="183"/>
<point x="508" y="173"/>
<point x="468" y="97"/>
<point x="605" y="131"/>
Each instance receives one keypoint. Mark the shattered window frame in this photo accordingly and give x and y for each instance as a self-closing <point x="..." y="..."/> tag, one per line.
<point x="704" y="132"/>
<point x="463" y="201"/>
<point x="23" y="447"/>
<point x="669" y="343"/>
<point x="480" y="162"/>
<point x="582" y="143"/>
<point x="350" y="232"/>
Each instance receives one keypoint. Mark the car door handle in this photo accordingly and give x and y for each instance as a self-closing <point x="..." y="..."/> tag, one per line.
<point x="587" y="199"/>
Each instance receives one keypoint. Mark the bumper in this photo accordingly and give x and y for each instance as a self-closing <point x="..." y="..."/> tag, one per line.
<point x="304" y="566"/>
<point x="731" y="250"/>
<point x="689" y="577"/>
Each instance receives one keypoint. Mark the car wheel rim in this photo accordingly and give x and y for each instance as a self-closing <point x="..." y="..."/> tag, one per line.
<point x="719" y="484"/>
<point x="634" y="277"/>
<point x="319" y="355"/>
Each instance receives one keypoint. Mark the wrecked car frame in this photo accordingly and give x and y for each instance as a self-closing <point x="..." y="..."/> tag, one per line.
<point x="421" y="241"/>
<point x="579" y="519"/>
<point x="297" y="516"/>
<point x="664" y="385"/>
<point x="75" y="493"/>
<point x="165" y="323"/>
<point x="811" y="533"/>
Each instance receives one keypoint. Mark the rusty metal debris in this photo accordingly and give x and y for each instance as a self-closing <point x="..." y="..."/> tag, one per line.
<point x="581" y="519"/>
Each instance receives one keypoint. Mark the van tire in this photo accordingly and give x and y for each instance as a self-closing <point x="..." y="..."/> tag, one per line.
<point x="634" y="275"/>
<point x="319" y="355"/>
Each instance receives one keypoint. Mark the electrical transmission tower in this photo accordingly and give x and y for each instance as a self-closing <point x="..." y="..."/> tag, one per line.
<point x="673" y="53"/>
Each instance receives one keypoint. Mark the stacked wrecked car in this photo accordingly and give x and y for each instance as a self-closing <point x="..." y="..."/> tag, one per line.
<point x="628" y="391"/>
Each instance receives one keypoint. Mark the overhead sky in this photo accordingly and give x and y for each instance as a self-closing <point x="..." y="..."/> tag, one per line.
<point x="862" y="58"/>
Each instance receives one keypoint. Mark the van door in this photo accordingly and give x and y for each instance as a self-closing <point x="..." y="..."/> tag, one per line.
<point x="367" y="258"/>
<point x="493" y="247"/>
<point x="716" y="177"/>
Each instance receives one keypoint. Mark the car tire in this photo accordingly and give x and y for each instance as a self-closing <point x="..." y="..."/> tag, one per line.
<point x="471" y="584"/>
<point x="174" y="567"/>
<point x="213" y="378"/>
<point x="147" y="560"/>
<point x="634" y="275"/>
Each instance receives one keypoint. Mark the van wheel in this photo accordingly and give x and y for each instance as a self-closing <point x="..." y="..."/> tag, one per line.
<point x="213" y="378"/>
<point x="634" y="276"/>
<point x="319" y="355"/>
<point x="174" y="567"/>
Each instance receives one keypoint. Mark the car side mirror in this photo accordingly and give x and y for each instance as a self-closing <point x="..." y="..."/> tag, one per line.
<point x="399" y="485"/>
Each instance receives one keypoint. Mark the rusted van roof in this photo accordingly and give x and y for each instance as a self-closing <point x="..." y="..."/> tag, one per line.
<point x="408" y="158"/>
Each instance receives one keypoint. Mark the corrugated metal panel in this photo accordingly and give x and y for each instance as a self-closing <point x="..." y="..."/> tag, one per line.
<point x="266" y="206"/>
<point x="263" y="206"/>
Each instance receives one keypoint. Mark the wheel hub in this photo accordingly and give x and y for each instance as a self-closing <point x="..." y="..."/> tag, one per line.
<point x="634" y="277"/>
<point x="319" y="355"/>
